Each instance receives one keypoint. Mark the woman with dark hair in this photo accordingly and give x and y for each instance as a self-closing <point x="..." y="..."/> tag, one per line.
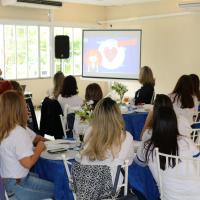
<point x="184" y="102"/>
<point x="162" y="100"/>
<point x="69" y="93"/>
<point x="166" y="137"/>
<point x="93" y="92"/>
<point x="145" y="93"/>
<point x="195" y="83"/>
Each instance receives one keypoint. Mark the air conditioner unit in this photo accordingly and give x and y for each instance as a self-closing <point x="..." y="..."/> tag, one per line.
<point x="190" y="5"/>
<point x="43" y="4"/>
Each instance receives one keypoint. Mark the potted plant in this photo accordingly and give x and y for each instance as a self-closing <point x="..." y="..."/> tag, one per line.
<point x="120" y="89"/>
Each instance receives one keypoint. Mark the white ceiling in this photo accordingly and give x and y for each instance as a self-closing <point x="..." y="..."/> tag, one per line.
<point x="108" y="2"/>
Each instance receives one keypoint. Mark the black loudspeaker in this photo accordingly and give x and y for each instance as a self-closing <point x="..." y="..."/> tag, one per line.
<point x="62" y="46"/>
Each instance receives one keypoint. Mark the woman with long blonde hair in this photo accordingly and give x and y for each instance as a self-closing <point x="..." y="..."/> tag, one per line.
<point x="16" y="151"/>
<point x="107" y="142"/>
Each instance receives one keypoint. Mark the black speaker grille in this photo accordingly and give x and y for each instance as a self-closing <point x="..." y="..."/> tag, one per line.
<point x="62" y="47"/>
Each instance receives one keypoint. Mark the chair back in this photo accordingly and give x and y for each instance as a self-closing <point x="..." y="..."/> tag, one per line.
<point x="67" y="120"/>
<point x="50" y="118"/>
<point x="197" y="116"/>
<point x="94" y="181"/>
<point x="195" y="135"/>
<point x="177" y="180"/>
<point x="152" y="98"/>
<point x="32" y="120"/>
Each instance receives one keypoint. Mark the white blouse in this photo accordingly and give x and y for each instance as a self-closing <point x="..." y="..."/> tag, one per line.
<point x="184" y="129"/>
<point x="188" y="113"/>
<point x="13" y="148"/>
<point x="73" y="101"/>
<point x="187" y="189"/>
<point x="126" y="153"/>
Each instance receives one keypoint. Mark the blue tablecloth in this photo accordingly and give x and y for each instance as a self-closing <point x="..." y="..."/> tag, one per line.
<point x="54" y="171"/>
<point x="134" y="123"/>
<point x="196" y="125"/>
<point x="140" y="179"/>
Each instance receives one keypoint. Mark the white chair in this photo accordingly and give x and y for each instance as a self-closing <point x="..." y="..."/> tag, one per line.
<point x="124" y="184"/>
<point x="63" y="118"/>
<point x="197" y="116"/>
<point x="185" y="171"/>
<point x="195" y="135"/>
<point x="152" y="98"/>
<point x="70" y="180"/>
<point x="6" y="196"/>
<point x="64" y="123"/>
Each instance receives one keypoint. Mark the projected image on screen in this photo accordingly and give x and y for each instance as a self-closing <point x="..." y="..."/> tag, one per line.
<point x="111" y="53"/>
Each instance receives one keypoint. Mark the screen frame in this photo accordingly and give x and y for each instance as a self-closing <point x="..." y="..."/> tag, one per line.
<point x="125" y="30"/>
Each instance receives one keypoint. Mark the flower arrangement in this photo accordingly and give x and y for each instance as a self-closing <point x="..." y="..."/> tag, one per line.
<point x="120" y="89"/>
<point x="85" y="113"/>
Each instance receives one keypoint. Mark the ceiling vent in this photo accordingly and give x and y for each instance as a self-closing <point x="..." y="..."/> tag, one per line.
<point x="43" y="4"/>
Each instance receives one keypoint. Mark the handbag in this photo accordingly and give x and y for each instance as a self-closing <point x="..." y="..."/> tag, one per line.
<point x="120" y="196"/>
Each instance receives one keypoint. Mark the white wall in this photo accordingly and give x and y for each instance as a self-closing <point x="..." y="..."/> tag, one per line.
<point x="170" y="45"/>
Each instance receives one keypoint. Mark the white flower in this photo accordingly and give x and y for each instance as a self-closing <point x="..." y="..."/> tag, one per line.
<point x="90" y="102"/>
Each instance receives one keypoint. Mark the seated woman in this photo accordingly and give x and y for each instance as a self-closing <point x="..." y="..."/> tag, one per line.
<point x="57" y="82"/>
<point x="195" y="84"/>
<point x="184" y="102"/>
<point x="146" y="92"/>
<point x="164" y="101"/>
<point x="16" y="151"/>
<point x="69" y="94"/>
<point x="32" y="121"/>
<point x="93" y="94"/>
<point x="107" y="142"/>
<point x="166" y="137"/>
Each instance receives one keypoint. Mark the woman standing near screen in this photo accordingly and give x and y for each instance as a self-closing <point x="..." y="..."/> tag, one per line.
<point x="145" y="93"/>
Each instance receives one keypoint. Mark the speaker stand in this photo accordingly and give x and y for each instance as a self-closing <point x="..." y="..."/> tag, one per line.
<point x="61" y="64"/>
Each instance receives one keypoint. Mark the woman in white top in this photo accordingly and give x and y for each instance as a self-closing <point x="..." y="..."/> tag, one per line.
<point x="162" y="100"/>
<point x="195" y="84"/>
<point x="69" y="94"/>
<point x="166" y="137"/>
<point x="107" y="143"/>
<point x="184" y="102"/>
<point x="16" y="151"/>
<point x="93" y="94"/>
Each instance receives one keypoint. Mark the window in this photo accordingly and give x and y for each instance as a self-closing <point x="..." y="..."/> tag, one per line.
<point x="25" y="51"/>
<point x="44" y="52"/>
<point x="33" y="52"/>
